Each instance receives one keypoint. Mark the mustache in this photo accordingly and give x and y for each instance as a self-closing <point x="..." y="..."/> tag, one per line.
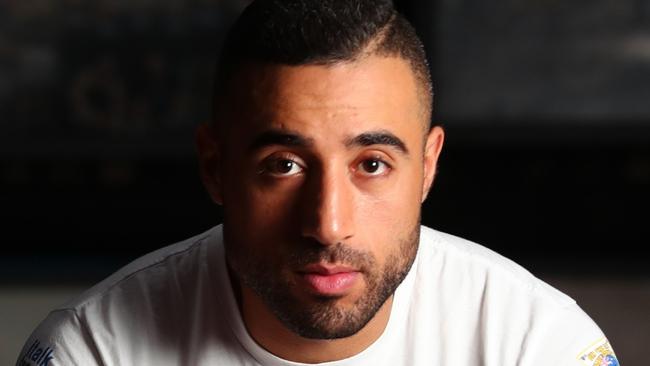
<point x="311" y="251"/>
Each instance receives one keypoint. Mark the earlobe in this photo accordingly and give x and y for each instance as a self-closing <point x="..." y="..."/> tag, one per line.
<point x="209" y="156"/>
<point x="433" y="147"/>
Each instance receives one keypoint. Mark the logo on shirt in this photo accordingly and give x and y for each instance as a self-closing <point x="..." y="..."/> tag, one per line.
<point x="37" y="355"/>
<point x="599" y="354"/>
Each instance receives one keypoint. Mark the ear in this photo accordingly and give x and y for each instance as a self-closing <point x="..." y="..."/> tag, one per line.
<point x="209" y="154"/>
<point x="433" y="146"/>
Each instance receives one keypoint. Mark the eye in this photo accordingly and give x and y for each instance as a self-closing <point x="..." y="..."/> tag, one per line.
<point x="373" y="167"/>
<point x="282" y="167"/>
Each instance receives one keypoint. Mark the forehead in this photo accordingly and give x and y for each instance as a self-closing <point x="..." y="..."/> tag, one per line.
<point x="374" y="93"/>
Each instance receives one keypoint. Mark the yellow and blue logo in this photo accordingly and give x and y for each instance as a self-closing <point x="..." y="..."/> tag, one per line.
<point x="600" y="353"/>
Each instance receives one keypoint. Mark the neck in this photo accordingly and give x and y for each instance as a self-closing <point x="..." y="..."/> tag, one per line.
<point x="272" y="335"/>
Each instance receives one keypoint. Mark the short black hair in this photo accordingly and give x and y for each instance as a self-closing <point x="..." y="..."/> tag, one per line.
<point x="320" y="32"/>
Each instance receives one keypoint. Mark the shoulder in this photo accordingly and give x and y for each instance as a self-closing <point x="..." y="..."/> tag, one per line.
<point x="463" y="259"/>
<point x="60" y="339"/>
<point x="148" y="268"/>
<point x="501" y="301"/>
<point x="126" y="306"/>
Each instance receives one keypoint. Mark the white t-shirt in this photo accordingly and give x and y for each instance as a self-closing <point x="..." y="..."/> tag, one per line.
<point x="460" y="305"/>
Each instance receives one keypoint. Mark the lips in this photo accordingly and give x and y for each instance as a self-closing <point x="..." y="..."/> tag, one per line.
<point x="330" y="281"/>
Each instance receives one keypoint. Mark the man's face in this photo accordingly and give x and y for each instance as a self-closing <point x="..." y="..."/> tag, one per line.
<point x="321" y="175"/>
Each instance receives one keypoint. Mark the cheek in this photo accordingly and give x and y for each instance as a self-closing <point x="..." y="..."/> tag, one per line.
<point x="384" y="220"/>
<point x="395" y="202"/>
<point x="257" y="224"/>
<point x="389" y="218"/>
<point x="388" y="221"/>
<point x="259" y="211"/>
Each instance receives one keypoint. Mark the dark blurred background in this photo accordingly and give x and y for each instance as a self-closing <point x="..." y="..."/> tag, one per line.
<point x="546" y="106"/>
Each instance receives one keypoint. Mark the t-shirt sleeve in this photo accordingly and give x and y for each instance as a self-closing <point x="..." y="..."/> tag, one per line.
<point x="61" y="339"/>
<point x="568" y="337"/>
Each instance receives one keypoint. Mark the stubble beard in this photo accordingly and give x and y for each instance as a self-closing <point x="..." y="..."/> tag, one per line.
<point x="324" y="317"/>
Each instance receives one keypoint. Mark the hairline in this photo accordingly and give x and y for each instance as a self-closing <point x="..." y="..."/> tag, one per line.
<point x="375" y="46"/>
<point x="227" y="91"/>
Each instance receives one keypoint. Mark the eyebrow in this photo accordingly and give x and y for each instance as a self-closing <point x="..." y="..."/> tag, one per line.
<point x="279" y="137"/>
<point x="378" y="138"/>
<point x="288" y="138"/>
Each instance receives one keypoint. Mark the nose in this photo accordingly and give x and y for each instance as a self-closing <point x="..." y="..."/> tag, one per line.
<point x="328" y="210"/>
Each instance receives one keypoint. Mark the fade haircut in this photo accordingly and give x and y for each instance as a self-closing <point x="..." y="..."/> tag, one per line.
<point x="320" y="32"/>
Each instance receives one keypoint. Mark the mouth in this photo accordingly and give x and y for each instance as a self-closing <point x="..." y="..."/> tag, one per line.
<point x="329" y="280"/>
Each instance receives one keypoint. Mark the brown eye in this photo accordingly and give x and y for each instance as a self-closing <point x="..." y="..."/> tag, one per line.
<point x="282" y="167"/>
<point x="373" y="167"/>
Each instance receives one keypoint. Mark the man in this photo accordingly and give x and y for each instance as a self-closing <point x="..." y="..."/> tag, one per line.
<point x="321" y="154"/>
